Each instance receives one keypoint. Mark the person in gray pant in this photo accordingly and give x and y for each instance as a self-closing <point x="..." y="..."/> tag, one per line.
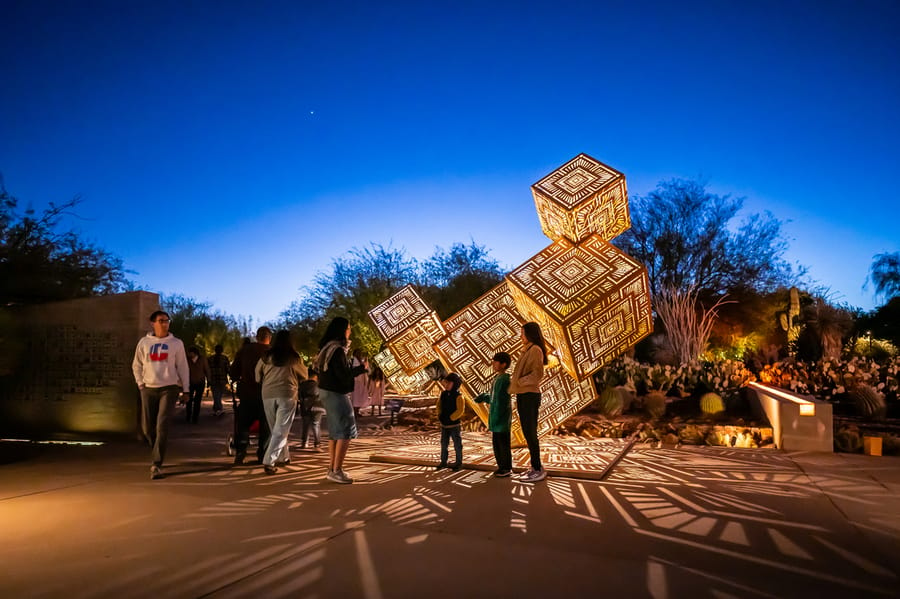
<point x="161" y="372"/>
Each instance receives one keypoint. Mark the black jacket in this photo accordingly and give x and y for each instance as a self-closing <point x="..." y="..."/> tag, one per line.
<point x="338" y="377"/>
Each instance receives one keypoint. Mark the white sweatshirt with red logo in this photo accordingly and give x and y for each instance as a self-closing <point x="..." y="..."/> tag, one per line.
<point x="161" y="362"/>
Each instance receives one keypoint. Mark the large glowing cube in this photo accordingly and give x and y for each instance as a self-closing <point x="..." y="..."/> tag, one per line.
<point x="583" y="197"/>
<point x="399" y="380"/>
<point x="410" y="328"/>
<point x="591" y="300"/>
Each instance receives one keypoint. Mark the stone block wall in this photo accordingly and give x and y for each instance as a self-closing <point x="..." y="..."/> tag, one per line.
<point x="67" y="366"/>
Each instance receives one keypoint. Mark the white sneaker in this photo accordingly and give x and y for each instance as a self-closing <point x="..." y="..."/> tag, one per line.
<point x="524" y="475"/>
<point x="338" y="477"/>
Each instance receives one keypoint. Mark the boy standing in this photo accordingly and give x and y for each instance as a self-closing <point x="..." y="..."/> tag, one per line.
<point x="500" y="416"/>
<point x="450" y="408"/>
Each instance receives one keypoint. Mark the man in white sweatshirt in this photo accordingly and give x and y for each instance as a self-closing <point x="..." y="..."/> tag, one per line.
<point x="161" y="372"/>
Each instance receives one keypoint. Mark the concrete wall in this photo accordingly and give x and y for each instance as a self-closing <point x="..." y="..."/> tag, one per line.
<point x="67" y="366"/>
<point x="799" y="423"/>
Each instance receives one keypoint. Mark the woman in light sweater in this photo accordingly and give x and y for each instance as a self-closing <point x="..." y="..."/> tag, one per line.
<point x="279" y="372"/>
<point x="525" y="384"/>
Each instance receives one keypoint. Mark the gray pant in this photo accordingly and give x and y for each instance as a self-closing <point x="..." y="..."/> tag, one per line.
<point x="157" y="404"/>
<point x="280" y="416"/>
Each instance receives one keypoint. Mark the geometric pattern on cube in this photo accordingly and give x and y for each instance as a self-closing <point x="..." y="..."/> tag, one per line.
<point x="602" y="334"/>
<point x="387" y="362"/>
<point x="581" y="294"/>
<point x="488" y="325"/>
<point x="562" y="396"/>
<point x="413" y="347"/>
<point x="581" y="198"/>
<point x="399" y="312"/>
<point x="399" y="380"/>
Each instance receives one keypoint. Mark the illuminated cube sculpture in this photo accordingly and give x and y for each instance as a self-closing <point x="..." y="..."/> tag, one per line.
<point x="591" y="300"/>
<point x="581" y="198"/>
<point x="410" y="328"/>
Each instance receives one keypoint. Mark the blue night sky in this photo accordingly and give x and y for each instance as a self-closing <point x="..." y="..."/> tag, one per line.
<point x="230" y="150"/>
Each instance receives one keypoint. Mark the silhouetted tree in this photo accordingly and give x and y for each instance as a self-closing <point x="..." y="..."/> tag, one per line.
<point x="356" y="283"/>
<point x="364" y="278"/>
<point x="685" y="236"/>
<point x="452" y="278"/>
<point x="196" y="323"/>
<point x="38" y="263"/>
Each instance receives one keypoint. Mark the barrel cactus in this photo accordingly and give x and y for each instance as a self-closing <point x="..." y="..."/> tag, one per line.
<point x="869" y="402"/>
<point x="655" y="405"/>
<point x="610" y="402"/>
<point x="848" y="441"/>
<point x="711" y="403"/>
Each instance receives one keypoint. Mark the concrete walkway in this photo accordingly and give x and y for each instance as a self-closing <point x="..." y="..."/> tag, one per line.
<point x="693" y="522"/>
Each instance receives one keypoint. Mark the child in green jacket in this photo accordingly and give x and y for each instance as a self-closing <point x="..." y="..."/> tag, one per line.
<point x="500" y="414"/>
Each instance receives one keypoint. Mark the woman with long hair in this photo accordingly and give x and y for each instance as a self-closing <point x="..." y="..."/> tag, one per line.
<point x="525" y="384"/>
<point x="279" y="372"/>
<point x="335" y="386"/>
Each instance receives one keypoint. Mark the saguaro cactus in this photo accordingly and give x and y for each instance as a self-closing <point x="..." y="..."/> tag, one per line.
<point x="790" y="320"/>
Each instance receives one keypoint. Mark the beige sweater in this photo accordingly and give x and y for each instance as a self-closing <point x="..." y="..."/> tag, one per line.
<point x="529" y="371"/>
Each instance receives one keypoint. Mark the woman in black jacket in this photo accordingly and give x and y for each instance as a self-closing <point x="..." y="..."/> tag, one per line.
<point x="335" y="385"/>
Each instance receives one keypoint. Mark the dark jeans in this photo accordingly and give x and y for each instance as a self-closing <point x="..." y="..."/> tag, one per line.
<point x="192" y="410"/>
<point x="156" y="406"/>
<point x="528" y="405"/>
<point x="248" y="412"/>
<point x="502" y="450"/>
<point x="217" y="392"/>
<point x="446" y="435"/>
<point x="311" y="421"/>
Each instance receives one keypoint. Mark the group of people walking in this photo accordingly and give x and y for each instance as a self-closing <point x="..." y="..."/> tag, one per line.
<point x="273" y="385"/>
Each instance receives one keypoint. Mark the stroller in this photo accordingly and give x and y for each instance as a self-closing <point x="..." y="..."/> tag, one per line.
<point x="254" y="428"/>
<point x="229" y="440"/>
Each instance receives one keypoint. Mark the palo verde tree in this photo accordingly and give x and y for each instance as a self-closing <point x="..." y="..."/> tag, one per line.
<point x="364" y="278"/>
<point x="451" y="279"/>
